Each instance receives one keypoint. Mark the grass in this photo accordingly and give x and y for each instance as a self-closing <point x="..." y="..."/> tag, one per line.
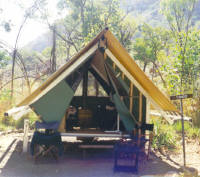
<point x="190" y="130"/>
<point x="8" y="123"/>
<point x="164" y="136"/>
<point x="32" y="117"/>
<point x="169" y="136"/>
<point x="178" y="126"/>
<point x="194" y="132"/>
<point x="4" y="127"/>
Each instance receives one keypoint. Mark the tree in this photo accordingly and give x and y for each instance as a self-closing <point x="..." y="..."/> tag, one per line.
<point x="4" y="59"/>
<point x="149" y="46"/>
<point x="87" y="18"/>
<point x="6" y="24"/>
<point x="179" y="15"/>
<point x="28" y="14"/>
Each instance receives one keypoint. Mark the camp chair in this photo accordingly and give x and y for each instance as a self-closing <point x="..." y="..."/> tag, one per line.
<point x="126" y="150"/>
<point x="48" y="141"/>
<point x="131" y="149"/>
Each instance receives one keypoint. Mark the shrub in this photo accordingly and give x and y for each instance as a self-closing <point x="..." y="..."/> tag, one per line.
<point x="193" y="132"/>
<point x="4" y="127"/>
<point x="32" y="118"/>
<point x="164" y="136"/>
<point x="178" y="126"/>
<point x="189" y="129"/>
<point x="8" y="121"/>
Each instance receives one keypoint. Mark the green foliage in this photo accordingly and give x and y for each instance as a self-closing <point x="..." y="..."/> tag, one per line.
<point x="190" y="130"/>
<point x="4" y="101"/>
<point x="178" y="126"/>
<point x="8" y="121"/>
<point x="189" y="70"/>
<point x="4" y="127"/>
<point x="150" y="44"/>
<point x="32" y="117"/>
<point x="193" y="133"/>
<point x="86" y="18"/>
<point x="168" y="136"/>
<point x="164" y="136"/>
<point x="4" y="59"/>
<point x="179" y="15"/>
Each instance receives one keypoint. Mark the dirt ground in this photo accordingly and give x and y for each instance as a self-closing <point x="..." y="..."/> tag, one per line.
<point x="98" y="163"/>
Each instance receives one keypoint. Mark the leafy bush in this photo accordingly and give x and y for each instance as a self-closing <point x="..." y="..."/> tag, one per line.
<point x="4" y="127"/>
<point x="164" y="136"/>
<point x="193" y="132"/>
<point x="32" y="117"/>
<point x="178" y="126"/>
<point x="8" y="121"/>
<point x="190" y="130"/>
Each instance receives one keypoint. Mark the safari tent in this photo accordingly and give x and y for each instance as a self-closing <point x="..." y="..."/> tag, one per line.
<point x="123" y="83"/>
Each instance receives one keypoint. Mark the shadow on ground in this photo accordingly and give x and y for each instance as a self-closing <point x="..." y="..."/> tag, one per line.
<point x="97" y="163"/>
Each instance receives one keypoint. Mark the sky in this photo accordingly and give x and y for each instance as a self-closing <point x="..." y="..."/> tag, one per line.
<point x="33" y="27"/>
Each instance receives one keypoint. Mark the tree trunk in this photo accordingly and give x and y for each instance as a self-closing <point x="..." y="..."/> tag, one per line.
<point x="145" y="65"/>
<point x="164" y="83"/>
<point x="53" y="52"/>
<point x="13" y="72"/>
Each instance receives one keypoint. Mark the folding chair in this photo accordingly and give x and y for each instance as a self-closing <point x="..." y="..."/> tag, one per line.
<point x="46" y="142"/>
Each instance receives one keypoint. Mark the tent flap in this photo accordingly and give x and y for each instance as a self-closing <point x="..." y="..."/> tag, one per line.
<point x="125" y="115"/>
<point x="52" y="106"/>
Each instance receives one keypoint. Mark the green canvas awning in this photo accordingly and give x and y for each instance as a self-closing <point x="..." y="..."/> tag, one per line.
<point x="52" y="106"/>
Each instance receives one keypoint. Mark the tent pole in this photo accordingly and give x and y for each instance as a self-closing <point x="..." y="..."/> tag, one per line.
<point x="85" y="88"/>
<point x="147" y="110"/>
<point x="114" y="66"/>
<point x="140" y="115"/>
<point x="118" y="120"/>
<point x="131" y="97"/>
<point x="123" y="76"/>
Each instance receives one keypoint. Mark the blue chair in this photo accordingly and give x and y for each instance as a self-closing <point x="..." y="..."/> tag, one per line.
<point x="131" y="149"/>
<point x="49" y="140"/>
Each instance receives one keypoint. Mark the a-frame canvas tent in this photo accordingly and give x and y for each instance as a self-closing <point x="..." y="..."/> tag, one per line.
<point x="127" y="85"/>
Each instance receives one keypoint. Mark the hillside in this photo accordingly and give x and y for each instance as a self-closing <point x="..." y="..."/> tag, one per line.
<point x="40" y="43"/>
<point x="148" y="11"/>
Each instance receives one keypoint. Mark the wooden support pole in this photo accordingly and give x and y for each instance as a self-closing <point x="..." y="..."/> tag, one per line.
<point x="104" y="55"/>
<point x="85" y="88"/>
<point x="25" y="139"/>
<point x="131" y="97"/>
<point x="140" y="108"/>
<point x="147" y="110"/>
<point x="123" y="76"/>
<point x="114" y="66"/>
<point x="140" y="114"/>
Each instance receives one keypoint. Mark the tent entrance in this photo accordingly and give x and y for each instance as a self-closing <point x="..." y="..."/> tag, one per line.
<point x="100" y="114"/>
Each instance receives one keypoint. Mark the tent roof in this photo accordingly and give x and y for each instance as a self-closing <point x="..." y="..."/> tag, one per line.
<point x="125" y="62"/>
